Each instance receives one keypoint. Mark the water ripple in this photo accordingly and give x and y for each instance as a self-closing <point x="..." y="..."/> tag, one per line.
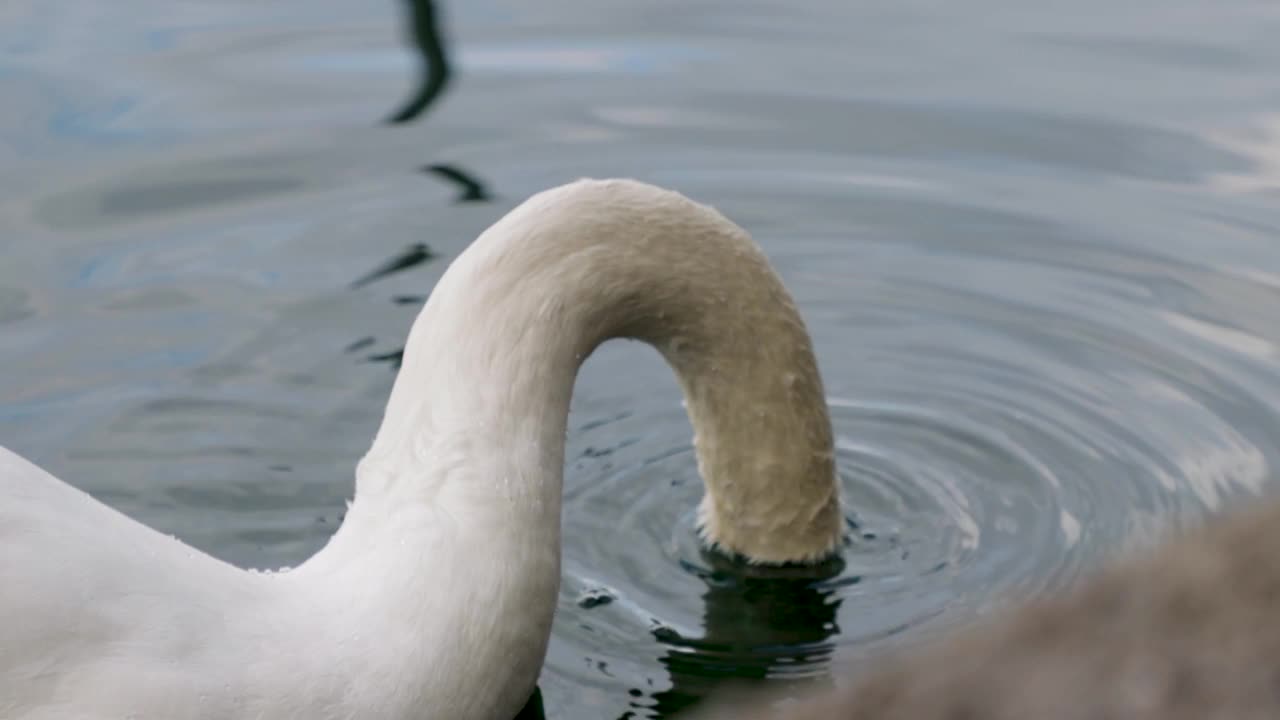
<point x="1007" y="413"/>
<point x="1036" y="252"/>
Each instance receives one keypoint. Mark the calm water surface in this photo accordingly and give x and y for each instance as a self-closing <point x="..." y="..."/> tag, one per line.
<point x="1038" y="248"/>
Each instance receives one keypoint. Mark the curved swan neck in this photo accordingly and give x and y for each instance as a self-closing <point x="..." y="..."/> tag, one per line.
<point x="482" y="399"/>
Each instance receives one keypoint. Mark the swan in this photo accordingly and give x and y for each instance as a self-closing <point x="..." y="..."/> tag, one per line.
<point x="434" y="598"/>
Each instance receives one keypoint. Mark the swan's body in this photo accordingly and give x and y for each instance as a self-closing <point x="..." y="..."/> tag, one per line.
<point x="435" y="597"/>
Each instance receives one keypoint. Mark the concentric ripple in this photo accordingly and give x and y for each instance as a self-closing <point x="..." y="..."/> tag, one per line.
<point x="1013" y="402"/>
<point x="1036" y="247"/>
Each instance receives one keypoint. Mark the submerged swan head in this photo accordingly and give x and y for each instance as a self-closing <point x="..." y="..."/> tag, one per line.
<point x="435" y="597"/>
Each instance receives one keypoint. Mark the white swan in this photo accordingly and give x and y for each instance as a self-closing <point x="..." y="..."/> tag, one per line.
<point x="435" y="597"/>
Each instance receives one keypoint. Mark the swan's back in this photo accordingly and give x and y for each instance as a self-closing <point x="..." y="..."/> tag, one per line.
<point x="91" y="600"/>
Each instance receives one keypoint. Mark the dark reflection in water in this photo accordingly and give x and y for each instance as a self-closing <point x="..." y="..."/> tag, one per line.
<point x="1042" y="279"/>
<point x="412" y="256"/>
<point x="532" y="709"/>
<point x="757" y="623"/>
<point x="395" y="358"/>
<point x="435" y="71"/>
<point x="434" y="74"/>
<point x="471" y="189"/>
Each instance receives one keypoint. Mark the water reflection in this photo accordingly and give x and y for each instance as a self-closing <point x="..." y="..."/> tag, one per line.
<point x="533" y="709"/>
<point x="412" y="256"/>
<point x="435" y="70"/>
<point x="1043" y="285"/>
<point x="758" y="623"/>
<point x="395" y="358"/>
<point x="434" y="74"/>
<point x="472" y="190"/>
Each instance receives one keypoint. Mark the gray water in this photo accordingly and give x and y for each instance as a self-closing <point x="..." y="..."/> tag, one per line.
<point x="1038" y="247"/>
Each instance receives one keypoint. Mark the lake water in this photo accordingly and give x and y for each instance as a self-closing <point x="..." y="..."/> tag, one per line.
<point x="1038" y="247"/>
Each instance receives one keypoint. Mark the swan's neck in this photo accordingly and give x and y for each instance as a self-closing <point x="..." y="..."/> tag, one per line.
<point x="447" y="565"/>
<point x="478" y="411"/>
<point x="480" y="405"/>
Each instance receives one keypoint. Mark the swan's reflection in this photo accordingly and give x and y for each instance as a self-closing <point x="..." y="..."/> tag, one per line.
<point x="758" y="621"/>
